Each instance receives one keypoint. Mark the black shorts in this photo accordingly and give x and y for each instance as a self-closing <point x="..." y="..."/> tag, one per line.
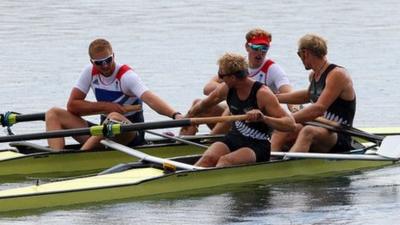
<point x="343" y="143"/>
<point x="262" y="149"/>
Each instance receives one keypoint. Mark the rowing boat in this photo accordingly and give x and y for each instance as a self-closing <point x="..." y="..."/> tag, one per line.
<point x="33" y="160"/>
<point x="154" y="176"/>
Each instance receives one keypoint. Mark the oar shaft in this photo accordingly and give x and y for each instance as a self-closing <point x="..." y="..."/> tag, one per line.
<point x="45" y="135"/>
<point x="11" y="118"/>
<point x="146" y="157"/>
<point x="96" y="130"/>
<point x="177" y="139"/>
<point x="217" y="119"/>
<point x="116" y="129"/>
<point x="336" y="127"/>
<point x="29" y="117"/>
<point x="331" y="156"/>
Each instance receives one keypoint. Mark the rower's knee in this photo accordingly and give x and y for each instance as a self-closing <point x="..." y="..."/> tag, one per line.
<point x="54" y="113"/>
<point x="207" y="161"/>
<point x="224" y="160"/>
<point x="308" y="132"/>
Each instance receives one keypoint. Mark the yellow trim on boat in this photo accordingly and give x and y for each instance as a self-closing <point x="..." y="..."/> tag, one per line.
<point x="121" y="178"/>
<point x="9" y="155"/>
<point x="381" y="130"/>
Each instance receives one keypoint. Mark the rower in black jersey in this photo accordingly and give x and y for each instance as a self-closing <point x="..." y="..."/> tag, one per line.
<point x="341" y="110"/>
<point x="332" y="96"/>
<point x="247" y="141"/>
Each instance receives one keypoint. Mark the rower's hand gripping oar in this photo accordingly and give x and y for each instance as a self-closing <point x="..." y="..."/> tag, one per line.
<point x="146" y="157"/>
<point x="115" y="129"/>
<point x="10" y="118"/>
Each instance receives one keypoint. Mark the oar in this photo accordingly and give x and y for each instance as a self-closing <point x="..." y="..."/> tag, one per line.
<point x="177" y="139"/>
<point x="114" y="129"/>
<point x="388" y="151"/>
<point x="10" y="118"/>
<point x="336" y="127"/>
<point x="148" y="158"/>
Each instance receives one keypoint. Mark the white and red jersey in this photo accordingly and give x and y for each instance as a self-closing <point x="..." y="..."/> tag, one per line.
<point x="270" y="74"/>
<point x="124" y="86"/>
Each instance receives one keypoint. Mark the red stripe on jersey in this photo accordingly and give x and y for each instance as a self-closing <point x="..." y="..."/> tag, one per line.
<point x="266" y="66"/>
<point x="122" y="71"/>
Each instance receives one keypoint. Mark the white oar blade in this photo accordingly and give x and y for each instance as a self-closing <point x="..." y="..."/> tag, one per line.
<point x="390" y="147"/>
<point x="144" y="156"/>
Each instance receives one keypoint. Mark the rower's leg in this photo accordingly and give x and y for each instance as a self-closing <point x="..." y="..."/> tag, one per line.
<point x="58" y="119"/>
<point x="321" y="139"/>
<point x="241" y="156"/>
<point x="92" y="143"/>
<point x="125" y="138"/>
<point x="281" y="139"/>
<point x="222" y="127"/>
<point x="212" y="154"/>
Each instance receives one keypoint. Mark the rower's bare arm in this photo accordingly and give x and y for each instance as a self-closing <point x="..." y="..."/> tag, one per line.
<point x="274" y="116"/>
<point x="217" y="96"/>
<point x="211" y="85"/>
<point x="157" y="104"/>
<point x="286" y="88"/>
<point x="335" y="85"/>
<point x="294" y="97"/>
<point x="79" y="106"/>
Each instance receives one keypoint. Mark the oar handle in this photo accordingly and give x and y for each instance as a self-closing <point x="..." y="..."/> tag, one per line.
<point x="327" y="122"/>
<point x="217" y="119"/>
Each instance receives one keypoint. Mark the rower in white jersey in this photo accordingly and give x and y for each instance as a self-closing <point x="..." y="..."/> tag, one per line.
<point x="261" y="69"/>
<point x="114" y="86"/>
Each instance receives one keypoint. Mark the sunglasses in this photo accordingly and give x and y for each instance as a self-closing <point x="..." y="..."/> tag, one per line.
<point x="221" y="76"/>
<point x="237" y="74"/>
<point x="104" y="61"/>
<point x="300" y="53"/>
<point x="262" y="48"/>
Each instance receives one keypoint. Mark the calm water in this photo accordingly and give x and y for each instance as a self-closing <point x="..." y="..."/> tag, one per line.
<point x="174" y="46"/>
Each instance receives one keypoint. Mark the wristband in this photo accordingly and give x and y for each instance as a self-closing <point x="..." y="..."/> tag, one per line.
<point x="174" y="115"/>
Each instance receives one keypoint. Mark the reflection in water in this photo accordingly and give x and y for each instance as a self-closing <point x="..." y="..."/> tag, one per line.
<point x="288" y="199"/>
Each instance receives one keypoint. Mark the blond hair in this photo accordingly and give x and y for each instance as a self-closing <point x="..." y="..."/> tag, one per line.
<point x="232" y="63"/>
<point x="258" y="32"/>
<point x="99" y="45"/>
<point x="315" y="44"/>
